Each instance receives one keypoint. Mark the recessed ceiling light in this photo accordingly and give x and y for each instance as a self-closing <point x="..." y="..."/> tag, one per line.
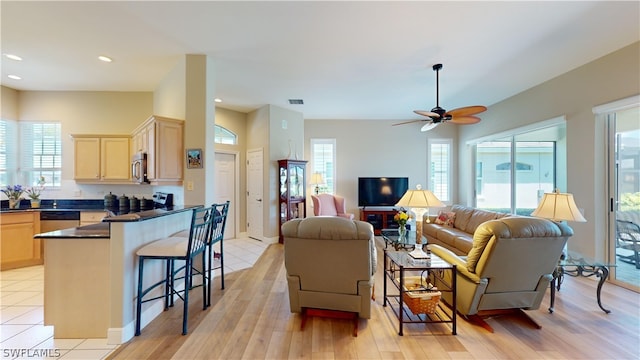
<point x="14" y="77"/>
<point x="13" y="57"/>
<point x="218" y="100"/>
<point x="105" y="58"/>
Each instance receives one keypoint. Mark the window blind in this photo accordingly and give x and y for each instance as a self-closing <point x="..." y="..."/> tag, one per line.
<point x="41" y="152"/>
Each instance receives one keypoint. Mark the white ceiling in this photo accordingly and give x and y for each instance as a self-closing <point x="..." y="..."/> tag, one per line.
<point x="346" y="60"/>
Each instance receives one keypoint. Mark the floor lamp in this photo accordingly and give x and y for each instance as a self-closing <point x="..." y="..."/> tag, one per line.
<point x="419" y="201"/>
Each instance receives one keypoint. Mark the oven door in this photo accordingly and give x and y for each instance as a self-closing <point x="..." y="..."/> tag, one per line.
<point x="139" y="168"/>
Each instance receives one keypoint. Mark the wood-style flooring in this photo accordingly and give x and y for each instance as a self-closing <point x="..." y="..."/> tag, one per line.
<point x="250" y="319"/>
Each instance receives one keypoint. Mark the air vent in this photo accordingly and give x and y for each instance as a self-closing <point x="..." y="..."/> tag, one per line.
<point x="296" y="102"/>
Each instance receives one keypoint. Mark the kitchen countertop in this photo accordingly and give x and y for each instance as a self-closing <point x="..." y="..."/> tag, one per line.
<point x="102" y="230"/>
<point x="93" y="231"/>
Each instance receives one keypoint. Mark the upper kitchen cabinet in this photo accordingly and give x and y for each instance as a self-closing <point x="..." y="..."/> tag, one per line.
<point x="102" y="158"/>
<point x="162" y="139"/>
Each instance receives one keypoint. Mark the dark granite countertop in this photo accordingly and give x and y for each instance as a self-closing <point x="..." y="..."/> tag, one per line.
<point x="102" y="230"/>
<point x="150" y="214"/>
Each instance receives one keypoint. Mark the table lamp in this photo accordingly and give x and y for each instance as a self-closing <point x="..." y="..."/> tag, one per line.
<point x="558" y="207"/>
<point x="317" y="179"/>
<point x="419" y="201"/>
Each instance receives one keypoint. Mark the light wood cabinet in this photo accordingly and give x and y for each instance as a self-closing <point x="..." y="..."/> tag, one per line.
<point x="18" y="248"/>
<point x="102" y="158"/>
<point x="163" y="141"/>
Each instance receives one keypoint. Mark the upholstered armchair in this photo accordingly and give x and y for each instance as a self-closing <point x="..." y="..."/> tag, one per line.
<point x="330" y="205"/>
<point x="330" y="263"/>
<point x="509" y="267"/>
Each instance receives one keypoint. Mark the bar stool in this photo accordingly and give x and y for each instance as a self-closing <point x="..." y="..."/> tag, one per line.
<point x="176" y="248"/>
<point x="220" y="213"/>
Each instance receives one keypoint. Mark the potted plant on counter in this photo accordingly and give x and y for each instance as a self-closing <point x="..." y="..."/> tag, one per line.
<point x="34" y="193"/>
<point x="14" y="194"/>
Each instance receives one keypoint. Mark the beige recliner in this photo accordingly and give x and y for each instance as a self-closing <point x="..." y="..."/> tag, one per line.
<point x="330" y="263"/>
<point x="509" y="266"/>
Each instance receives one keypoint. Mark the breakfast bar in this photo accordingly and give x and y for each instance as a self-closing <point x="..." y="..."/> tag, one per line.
<point x="90" y="273"/>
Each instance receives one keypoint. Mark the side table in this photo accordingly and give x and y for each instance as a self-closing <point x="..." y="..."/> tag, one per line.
<point x="575" y="265"/>
<point x="396" y="264"/>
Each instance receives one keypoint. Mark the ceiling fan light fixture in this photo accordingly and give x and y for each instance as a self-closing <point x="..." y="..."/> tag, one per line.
<point x="429" y="126"/>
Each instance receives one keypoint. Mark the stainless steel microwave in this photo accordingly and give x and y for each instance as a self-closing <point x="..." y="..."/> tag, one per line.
<point x="139" y="168"/>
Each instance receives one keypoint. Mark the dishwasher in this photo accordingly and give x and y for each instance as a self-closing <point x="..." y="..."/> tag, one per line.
<point x="58" y="220"/>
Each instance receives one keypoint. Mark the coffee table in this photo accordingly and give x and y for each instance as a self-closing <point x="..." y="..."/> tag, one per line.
<point x="396" y="266"/>
<point x="574" y="264"/>
<point x="391" y="237"/>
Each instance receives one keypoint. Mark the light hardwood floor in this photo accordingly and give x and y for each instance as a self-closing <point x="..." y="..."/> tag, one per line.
<point x="250" y="319"/>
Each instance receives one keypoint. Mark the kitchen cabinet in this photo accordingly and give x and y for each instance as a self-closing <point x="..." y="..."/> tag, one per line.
<point x="102" y="158"/>
<point x="18" y="248"/>
<point x="163" y="140"/>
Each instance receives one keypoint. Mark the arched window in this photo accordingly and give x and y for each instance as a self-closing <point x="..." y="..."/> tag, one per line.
<point x="224" y="136"/>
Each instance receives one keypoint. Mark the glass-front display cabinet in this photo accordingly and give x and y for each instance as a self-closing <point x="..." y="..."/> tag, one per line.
<point x="292" y="190"/>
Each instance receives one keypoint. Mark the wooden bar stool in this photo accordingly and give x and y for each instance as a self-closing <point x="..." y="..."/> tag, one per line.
<point x="171" y="249"/>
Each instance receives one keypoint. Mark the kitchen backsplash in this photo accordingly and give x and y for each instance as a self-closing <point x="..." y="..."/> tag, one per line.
<point x="71" y="190"/>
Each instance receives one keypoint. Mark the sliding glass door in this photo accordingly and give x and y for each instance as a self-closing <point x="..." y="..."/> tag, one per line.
<point x="513" y="172"/>
<point x="624" y="147"/>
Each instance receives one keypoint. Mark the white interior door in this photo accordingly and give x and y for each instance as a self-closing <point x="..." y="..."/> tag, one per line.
<point x="255" y="225"/>
<point x="225" y="189"/>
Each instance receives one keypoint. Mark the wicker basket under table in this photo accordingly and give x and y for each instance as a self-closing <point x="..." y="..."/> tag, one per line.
<point x="420" y="301"/>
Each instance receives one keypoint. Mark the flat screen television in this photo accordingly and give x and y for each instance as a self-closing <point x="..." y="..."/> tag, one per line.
<point x="381" y="191"/>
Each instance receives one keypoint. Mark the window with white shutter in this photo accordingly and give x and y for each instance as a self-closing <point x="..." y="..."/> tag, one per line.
<point x="8" y="152"/>
<point x="323" y="160"/>
<point x="439" y="169"/>
<point x="41" y="152"/>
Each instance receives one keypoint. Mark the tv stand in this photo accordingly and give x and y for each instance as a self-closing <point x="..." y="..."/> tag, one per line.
<point x="379" y="218"/>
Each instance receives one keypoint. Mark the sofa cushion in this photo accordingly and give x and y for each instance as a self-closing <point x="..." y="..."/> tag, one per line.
<point x="478" y="217"/>
<point x="463" y="214"/>
<point x="450" y="236"/>
<point x="446" y="218"/>
<point x="480" y="241"/>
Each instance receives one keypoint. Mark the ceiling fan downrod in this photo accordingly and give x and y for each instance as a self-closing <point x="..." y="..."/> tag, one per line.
<point x="438" y="110"/>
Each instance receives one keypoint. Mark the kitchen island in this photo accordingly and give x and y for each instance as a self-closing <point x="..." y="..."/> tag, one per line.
<point x="90" y="273"/>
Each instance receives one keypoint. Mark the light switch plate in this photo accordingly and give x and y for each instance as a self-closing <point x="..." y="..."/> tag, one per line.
<point x="190" y="185"/>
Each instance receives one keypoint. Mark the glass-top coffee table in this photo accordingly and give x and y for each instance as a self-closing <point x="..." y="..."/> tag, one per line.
<point x="574" y="264"/>
<point x="392" y="237"/>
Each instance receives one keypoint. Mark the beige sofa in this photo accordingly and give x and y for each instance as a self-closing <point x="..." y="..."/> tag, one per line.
<point x="459" y="237"/>
<point x="330" y="263"/>
<point x="509" y="266"/>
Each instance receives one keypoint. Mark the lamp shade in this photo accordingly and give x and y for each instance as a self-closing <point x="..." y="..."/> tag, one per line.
<point x="558" y="207"/>
<point x="419" y="198"/>
<point x="316" y="178"/>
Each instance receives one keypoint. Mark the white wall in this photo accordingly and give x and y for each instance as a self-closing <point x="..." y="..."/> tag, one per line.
<point x="573" y="95"/>
<point x="87" y="112"/>
<point x="376" y="148"/>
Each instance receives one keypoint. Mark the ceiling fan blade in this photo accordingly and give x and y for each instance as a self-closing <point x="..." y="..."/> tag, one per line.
<point x="464" y="120"/>
<point x="467" y="110"/>
<point x="429" y="126"/>
<point x="426" y="113"/>
<point x="407" y="122"/>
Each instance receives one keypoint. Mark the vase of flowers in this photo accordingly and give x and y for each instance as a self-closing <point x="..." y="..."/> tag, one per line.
<point x="14" y="193"/>
<point x="401" y="217"/>
<point x="34" y="192"/>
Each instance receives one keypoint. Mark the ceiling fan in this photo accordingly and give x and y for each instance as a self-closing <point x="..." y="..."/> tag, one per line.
<point x="438" y="115"/>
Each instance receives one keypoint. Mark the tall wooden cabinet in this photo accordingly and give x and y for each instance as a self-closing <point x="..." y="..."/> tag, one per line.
<point x="163" y="141"/>
<point x="292" y="189"/>
<point x="101" y="158"/>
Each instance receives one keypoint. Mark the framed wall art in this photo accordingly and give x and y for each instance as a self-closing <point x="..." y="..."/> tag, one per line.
<point x="194" y="158"/>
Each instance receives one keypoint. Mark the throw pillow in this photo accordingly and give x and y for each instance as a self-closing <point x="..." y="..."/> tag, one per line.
<point x="445" y="218"/>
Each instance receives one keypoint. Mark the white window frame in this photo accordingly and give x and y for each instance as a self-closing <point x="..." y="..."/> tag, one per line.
<point x="320" y="165"/>
<point x="431" y="175"/>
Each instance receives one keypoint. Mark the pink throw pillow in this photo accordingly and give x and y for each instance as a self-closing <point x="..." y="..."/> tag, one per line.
<point x="445" y="218"/>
